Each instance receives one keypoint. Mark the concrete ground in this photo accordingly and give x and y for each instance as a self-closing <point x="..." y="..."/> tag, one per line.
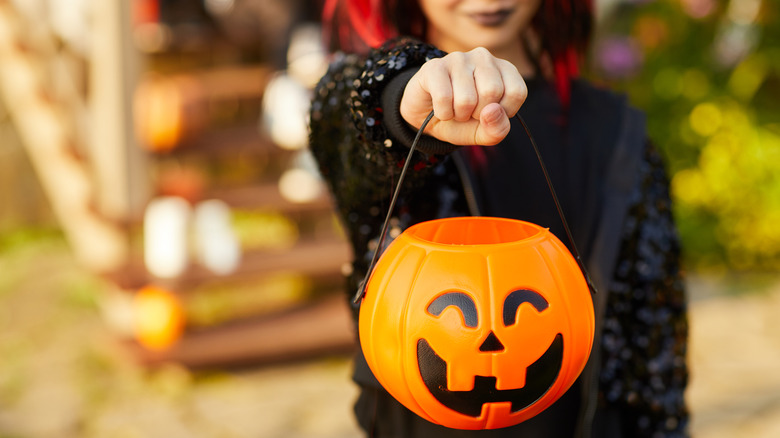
<point x="735" y="361"/>
<point x="62" y="374"/>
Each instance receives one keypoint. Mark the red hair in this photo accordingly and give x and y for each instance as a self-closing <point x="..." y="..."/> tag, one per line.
<point x="564" y="28"/>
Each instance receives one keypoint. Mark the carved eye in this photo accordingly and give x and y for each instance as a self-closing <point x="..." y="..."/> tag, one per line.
<point x="518" y="297"/>
<point x="460" y="300"/>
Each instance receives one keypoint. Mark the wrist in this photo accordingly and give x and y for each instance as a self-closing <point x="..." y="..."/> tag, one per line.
<point x="398" y="128"/>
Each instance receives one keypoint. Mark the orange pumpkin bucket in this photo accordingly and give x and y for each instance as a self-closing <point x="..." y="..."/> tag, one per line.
<point x="476" y="322"/>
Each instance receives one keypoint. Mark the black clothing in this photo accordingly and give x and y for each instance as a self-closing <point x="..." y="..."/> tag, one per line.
<point x="614" y="192"/>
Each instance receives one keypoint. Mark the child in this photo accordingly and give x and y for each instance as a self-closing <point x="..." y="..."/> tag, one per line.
<point x="476" y="63"/>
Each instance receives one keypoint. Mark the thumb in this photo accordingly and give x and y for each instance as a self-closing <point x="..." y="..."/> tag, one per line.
<point x="493" y="125"/>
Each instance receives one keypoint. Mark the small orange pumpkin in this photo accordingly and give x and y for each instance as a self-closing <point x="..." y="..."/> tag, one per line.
<point x="476" y="322"/>
<point x="159" y="317"/>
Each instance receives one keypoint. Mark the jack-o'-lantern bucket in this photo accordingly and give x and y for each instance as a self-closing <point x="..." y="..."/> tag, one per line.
<point x="476" y="322"/>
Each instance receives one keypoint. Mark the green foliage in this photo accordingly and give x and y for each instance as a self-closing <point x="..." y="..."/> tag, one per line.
<point x="21" y="237"/>
<point x="709" y="80"/>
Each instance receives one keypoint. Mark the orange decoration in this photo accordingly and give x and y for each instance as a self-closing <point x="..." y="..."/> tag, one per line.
<point x="476" y="322"/>
<point x="167" y="110"/>
<point x="159" y="317"/>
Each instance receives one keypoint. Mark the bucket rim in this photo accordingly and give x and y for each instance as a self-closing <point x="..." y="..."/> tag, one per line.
<point x="524" y="232"/>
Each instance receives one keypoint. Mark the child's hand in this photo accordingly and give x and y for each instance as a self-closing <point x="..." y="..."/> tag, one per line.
<point x="472" y="95"/>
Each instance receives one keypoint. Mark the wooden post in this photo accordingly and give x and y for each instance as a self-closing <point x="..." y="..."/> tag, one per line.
<point x="46" y="133"/>
<point x="122" y="187"/>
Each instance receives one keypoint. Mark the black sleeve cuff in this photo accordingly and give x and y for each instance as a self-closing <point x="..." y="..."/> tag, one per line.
<point x="397" y="126"/>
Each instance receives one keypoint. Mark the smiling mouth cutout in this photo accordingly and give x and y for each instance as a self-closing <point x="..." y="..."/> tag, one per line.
<point x="540" y="376"/>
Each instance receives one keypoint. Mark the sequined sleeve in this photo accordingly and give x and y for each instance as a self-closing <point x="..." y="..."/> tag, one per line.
<point x="357" y="156"/>
<point x="644" y="372"/>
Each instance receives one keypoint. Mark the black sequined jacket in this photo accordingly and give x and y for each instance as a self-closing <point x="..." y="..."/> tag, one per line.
<point x="614" y="192"/>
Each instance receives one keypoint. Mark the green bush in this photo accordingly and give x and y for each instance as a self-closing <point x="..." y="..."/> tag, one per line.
<point x="707" y="73"/>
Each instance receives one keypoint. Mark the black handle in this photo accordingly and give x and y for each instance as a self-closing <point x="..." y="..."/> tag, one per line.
<point x="362" y="286"/>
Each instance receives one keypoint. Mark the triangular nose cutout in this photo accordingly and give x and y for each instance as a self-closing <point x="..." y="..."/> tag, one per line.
<point x="491" y="343"/>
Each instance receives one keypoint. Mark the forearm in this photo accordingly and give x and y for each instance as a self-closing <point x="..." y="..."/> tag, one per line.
<point x="359" y="154"/>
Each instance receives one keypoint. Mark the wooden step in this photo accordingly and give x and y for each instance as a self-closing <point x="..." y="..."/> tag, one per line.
<point x="267" y="195"/>
<point x="229" y="141"/>
<point x="314" y="258"/>
<point x="320" y="328"/>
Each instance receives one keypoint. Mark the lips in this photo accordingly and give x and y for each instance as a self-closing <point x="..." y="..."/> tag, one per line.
<point x="491" y="19"/>
<point x="540" y="376"/>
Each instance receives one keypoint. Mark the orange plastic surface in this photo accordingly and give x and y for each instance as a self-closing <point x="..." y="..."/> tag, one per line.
<point x="486" y="259"/>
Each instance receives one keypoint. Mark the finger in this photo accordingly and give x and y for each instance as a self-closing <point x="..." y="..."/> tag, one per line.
<point x="459" y="133"/>
<point x="489" y="83"/>
<point x="464" y="90"/>
<point x="515" y="88"/>
<point x="435" y="80"/>
<point x="493" y="125"/>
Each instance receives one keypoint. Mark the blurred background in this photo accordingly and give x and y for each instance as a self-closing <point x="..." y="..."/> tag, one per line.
<point x="170" y="264"/>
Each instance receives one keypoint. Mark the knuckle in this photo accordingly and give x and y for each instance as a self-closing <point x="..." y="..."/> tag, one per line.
<point x="515" y="89"/>
<point x="481" y="51"/>
<point x="442" y="103"/>
<point x="520" y="92"/>
<point x="506" y="64"/>
<point x="466" y="101"/>
<point x="432" y="65"/>
<point x="463" y="111"/>
<point x="492" y="92"/>
<point x="442" y="99"/>
<point x="456" y="57"/>
<point x="518" y="95"/>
